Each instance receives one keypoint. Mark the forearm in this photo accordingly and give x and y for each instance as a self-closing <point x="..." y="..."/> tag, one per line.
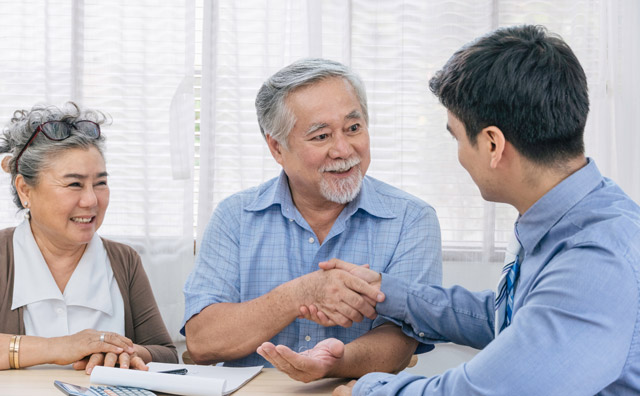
<point x="32" y="351"/>
<point x="228" y="331"/>
<point x="434" y="314"/>
<point x="383" y="349"/>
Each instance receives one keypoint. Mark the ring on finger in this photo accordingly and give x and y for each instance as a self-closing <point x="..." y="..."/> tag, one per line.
<point x="102" y="337"/>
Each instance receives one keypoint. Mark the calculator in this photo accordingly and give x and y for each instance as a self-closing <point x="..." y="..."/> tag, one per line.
<point x="77" y="390"/>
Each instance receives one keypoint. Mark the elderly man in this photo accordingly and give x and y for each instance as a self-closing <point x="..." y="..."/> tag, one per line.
<point x="258" y="262"/>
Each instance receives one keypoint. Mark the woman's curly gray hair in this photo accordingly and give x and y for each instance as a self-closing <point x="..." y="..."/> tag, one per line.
<point x="42" y="151"/>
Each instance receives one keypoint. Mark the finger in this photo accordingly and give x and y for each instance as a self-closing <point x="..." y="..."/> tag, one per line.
<point x="337" y="264"/>
<point x="359" y="304"/>
<point x="261" y="350"/>
<point x="335" y="347"/>
<point x="339" y="319"/>
<point x="304" y="312"/>
<point x="268" y="351"/>
<point x="361" y="287"/>
<point x="138" y="364"/>
<point x="123" y="360"/>
<point x="344" y="390"/>
<point x="321" y="318"/>
<point x="110" y="359"/>
<point x="95" y="360"/>
<point x="282" y="364"/>
<point x="352" y="314"/>
<point x="80" y="364"/>
<point x="118" y="341"/>
<point x="297" y="361"/>
<point x="369" y="301"/>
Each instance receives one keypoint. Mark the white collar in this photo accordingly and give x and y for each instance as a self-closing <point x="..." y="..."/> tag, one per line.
<point x="33" y="281"/>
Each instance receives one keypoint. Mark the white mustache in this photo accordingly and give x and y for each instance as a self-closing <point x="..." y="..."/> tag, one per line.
<point x="341" y="165"/>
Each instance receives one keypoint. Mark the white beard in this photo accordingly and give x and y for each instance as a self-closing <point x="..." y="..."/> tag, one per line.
<point x="345" y="190"/>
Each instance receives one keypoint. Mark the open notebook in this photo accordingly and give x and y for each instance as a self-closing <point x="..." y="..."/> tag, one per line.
<point x="199" y="380"/>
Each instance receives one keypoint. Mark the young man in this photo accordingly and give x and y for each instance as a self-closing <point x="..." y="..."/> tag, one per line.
<point x="258" y="262"/>
<point x="566" y="320"/>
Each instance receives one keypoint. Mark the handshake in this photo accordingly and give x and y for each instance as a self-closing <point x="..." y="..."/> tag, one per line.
<point x="340" y="293"/>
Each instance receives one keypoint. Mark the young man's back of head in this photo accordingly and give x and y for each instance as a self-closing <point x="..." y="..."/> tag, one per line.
<point x="524" y="81"/>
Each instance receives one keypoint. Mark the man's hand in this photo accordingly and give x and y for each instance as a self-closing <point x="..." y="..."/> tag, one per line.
<point x="342" y="296"/>
<point x="316" y="313"/>
<point x="344" y="390"/>
<point x="361" y="271"/>
<point x="306" y="366"/>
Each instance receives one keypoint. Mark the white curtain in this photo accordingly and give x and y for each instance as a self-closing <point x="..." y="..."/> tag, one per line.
<point x="133" y="61"/>
<point x="396" y="46"/>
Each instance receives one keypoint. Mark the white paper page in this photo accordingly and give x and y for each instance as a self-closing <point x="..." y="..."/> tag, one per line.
<point x="235" y="376"/>
<point x="167" y="383"/>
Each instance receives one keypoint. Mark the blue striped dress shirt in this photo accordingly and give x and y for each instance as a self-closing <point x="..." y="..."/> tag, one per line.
<point x="576" y="322"/>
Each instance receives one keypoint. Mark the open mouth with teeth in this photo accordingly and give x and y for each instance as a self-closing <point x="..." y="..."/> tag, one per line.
<point x="339" y="171"/>
<point x="82" y="220"/>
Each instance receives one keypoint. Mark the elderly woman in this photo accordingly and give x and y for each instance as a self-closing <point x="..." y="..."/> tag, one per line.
<point x="66" y="294"/>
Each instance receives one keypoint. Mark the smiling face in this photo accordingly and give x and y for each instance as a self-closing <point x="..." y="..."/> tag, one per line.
<point x="70" y="198"/>
<point x="328" y="147"/>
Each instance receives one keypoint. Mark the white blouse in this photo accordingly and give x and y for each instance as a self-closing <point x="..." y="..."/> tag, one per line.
<point x="91" y="299"/>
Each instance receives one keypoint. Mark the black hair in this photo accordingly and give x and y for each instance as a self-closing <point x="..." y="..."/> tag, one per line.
<point x="524" y="81"/>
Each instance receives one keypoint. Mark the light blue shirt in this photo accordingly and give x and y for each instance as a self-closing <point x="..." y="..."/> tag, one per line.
<point x="257" y="240"/>
<point x="575" y="328"/>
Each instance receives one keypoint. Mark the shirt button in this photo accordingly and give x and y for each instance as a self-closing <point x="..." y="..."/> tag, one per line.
<point x="290" y="219"/>
<point x="421" y="334"/>
<point x="307" y="338"/>
<point x="311" y="240"/>
<point x="60" y="311"/>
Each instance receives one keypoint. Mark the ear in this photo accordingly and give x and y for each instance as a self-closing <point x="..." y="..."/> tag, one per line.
<point x="495" y="141"/>
<point x="276" y="148"/>
<point x="23" y="189"/>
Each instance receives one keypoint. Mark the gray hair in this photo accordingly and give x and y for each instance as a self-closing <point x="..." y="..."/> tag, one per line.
<point x="41" y="151"/>
<point x="274" y="117"/>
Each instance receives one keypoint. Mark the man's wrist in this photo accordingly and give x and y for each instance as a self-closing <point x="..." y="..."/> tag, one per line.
<point x="294" y="293"/>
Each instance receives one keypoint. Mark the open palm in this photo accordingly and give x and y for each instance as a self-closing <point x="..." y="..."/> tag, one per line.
<point x="308" y="365"/>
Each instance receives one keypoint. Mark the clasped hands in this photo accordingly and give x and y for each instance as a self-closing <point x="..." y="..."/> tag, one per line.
<point x="345" y="293"/>
<point x="89" y="348"/>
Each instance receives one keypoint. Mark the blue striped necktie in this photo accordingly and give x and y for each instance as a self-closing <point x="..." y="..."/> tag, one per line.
<point x="507" y="285"/>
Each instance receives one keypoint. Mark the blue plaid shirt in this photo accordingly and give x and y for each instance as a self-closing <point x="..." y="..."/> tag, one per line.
<point x="257" y="240"/>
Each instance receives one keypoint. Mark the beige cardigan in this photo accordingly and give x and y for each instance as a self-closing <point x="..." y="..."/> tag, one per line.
<point x="142" y="321"/>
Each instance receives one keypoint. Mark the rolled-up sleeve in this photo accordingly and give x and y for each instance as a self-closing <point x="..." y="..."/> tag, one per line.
<point x="215" y="277"/>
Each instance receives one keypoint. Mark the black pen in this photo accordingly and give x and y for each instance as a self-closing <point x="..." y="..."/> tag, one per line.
<point x="181" y="371"/>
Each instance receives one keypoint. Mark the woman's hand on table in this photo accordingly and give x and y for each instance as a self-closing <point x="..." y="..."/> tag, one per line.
<point x="124" y="360"/>
<point x="71" y="348"/>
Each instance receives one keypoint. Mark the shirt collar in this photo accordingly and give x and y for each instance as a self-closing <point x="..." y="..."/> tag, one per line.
<point x="33" y="282"/>
<point x="534" y="224"/>
<point x="278" y="193"/>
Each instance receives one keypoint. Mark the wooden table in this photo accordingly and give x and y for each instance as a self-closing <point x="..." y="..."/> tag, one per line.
<point x="38" y="381"/>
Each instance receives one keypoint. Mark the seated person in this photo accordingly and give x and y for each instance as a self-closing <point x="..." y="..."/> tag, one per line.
<point x="566" y="319"/>
<point x="66" y="294"/>
<point x="258" y="262"/>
